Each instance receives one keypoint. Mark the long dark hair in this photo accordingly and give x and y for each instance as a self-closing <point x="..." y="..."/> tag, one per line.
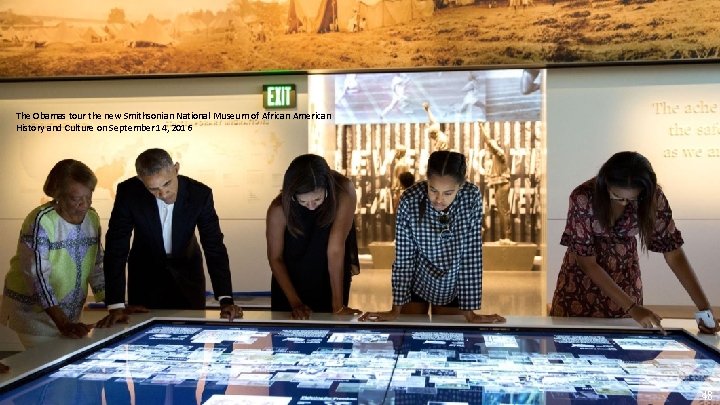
<point x="627" y="170"/>
<point x="305" y="174"/>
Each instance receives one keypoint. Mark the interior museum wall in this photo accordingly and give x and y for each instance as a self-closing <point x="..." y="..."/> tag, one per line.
<point x="242" y="160"/>
<point x="671" y="114"/>
<point x="591" y="113"/>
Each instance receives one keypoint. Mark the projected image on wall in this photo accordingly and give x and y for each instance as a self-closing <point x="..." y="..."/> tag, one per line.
<point x="410" y="97"/>
<point x="387" y="124"/>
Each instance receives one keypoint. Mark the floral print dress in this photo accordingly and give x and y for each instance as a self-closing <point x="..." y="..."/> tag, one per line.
<point x="616" y="251"/>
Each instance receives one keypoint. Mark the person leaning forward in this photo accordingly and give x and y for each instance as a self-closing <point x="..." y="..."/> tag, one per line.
<point x="438" y="246"/>
<point x="59" y="255"/>
<point x="161" y="210"/>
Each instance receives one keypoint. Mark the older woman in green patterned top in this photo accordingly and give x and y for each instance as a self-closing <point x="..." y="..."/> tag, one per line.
<point x="58" y="255"/>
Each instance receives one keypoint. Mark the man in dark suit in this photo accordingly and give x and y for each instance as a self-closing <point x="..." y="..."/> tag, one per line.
<point x="161" y="210"/>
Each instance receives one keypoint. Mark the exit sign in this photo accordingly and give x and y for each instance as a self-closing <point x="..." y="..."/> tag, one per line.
<point x="279" y="96"/>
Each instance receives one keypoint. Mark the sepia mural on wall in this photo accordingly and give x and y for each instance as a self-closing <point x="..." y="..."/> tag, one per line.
<point x="387" y="124"/>
<point x="134" y="37"/>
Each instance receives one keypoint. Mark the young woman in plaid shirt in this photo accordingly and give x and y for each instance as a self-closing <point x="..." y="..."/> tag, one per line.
<point x="438" y="245"/>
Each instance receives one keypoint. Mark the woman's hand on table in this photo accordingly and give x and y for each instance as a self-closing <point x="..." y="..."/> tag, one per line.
<point x="384" y="316"/>
<point x="645" y="317"/>
<point x="347" y="311"/>
<point x="75" y="330"/>
<point x="301" y="311"/>
<point x="472" y="317"/>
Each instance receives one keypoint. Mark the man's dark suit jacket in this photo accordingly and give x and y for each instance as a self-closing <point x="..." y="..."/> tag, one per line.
<point x="155" y="279"/>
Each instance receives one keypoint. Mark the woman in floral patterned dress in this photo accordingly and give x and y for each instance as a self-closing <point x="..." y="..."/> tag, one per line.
<point x="600" y="274"/>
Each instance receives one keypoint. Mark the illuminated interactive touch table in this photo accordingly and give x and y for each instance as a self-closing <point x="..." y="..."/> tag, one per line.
<point x="185" y="361"/>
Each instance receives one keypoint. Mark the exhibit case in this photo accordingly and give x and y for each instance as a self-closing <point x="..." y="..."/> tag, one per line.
<point x="386" y="125"/>
<point x="183" y="361"/>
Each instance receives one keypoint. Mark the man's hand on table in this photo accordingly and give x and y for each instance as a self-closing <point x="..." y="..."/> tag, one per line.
<point x="230" y="312"/>
<point x="114" y="316"/>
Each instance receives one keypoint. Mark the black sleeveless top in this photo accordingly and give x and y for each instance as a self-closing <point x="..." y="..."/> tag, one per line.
<point x="306" y="261"/>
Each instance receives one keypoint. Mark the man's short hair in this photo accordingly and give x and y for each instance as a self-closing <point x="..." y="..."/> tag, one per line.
<point x="152" y="161"/>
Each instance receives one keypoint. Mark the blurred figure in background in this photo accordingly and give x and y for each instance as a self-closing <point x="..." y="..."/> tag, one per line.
<point x="433" y="130"/>
<point x="405" y="180"/>
<point x="530" y="81"/>
<point x="498" y="179"/>
<point x="398" y="90"/>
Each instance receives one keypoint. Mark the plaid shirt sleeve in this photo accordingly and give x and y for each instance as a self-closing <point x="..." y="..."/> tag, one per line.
<point x="404" y="264"/>
<point x="469" y="278"/>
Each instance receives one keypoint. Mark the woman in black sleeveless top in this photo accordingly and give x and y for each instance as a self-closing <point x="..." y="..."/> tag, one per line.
<point x="311" y="241"/>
